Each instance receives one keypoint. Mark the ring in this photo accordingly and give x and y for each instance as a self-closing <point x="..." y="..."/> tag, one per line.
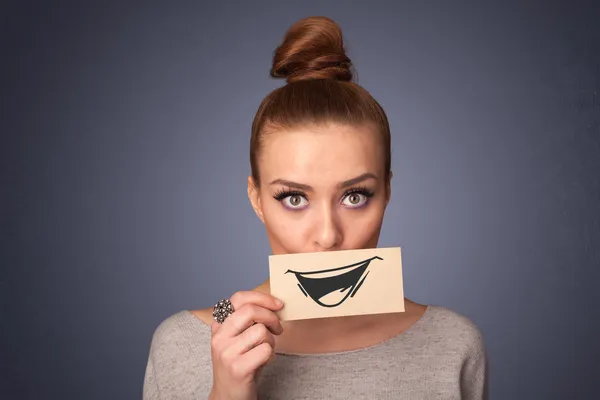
<point x="222" y="310"/>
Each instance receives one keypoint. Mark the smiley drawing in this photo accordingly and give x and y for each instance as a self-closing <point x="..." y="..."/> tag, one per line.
<point x="331" y="287"/>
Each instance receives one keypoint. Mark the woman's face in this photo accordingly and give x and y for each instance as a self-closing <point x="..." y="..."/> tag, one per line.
<point x="322" y="189"/>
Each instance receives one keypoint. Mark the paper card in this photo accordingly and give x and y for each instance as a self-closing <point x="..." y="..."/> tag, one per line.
<point x="338" y="283"/>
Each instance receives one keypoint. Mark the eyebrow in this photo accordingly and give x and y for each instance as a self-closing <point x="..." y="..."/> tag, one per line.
<point x="344" y="184"/>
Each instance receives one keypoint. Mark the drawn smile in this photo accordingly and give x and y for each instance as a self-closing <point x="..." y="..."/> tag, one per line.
<point x="327" y="287"/>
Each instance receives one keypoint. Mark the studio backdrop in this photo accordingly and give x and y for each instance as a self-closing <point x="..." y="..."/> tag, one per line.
<point x="124" y="159"/>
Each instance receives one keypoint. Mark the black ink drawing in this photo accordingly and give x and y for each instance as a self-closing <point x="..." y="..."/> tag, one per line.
<point x="325" y="287"/>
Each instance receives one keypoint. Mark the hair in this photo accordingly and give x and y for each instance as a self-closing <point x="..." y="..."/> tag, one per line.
<point x="319" y="90"/>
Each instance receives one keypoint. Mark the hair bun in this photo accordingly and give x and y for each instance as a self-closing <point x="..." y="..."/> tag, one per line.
<point x="312" y="48"/>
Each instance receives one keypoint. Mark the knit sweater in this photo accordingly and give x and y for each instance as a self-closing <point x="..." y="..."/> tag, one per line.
<point x="441" y="356"/>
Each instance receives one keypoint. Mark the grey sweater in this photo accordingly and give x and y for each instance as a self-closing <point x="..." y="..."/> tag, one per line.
<point x="442" y="356"/>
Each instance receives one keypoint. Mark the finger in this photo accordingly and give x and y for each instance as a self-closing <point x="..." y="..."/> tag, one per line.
<point x="214" y="327"/>
<point x="250" y="338"/>
<point x="245" y="317"/>
<point x="255" y="358"/>
<point x="239" y="299"/>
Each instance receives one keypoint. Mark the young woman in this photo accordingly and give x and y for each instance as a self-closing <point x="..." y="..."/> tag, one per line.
<point x="320" y="161"/>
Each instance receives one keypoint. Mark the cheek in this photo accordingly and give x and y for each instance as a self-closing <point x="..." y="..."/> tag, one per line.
<point x="284" y="227"/>
<point x="359" y="232"/>
<point x="362" y="227"/>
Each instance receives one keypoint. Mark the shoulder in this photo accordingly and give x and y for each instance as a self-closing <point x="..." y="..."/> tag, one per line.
<point x="179" y="337"/>
<point x="462" y="340"/>
<point x="178" y="329"/>
<point x="179" y="362"/>
<point x="454" y="329"/>
<point x="446" y="318"/>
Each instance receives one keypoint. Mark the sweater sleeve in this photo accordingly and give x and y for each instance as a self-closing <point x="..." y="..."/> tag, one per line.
<point x="150" y="388"/>
<point x="474" y="374"/>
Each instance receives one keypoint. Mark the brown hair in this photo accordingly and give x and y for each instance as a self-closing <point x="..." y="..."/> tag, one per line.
<point x="319" y="88"/>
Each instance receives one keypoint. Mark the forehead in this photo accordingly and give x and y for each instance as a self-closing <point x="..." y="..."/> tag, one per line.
<point x="321" y="155"/>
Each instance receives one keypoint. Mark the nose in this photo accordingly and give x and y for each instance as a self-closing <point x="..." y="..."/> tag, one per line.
<point x="328" y="234"/>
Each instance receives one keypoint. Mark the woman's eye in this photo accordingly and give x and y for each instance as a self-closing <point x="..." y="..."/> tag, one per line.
<point x="355" y="200"/>
<point x="294" y="201"/>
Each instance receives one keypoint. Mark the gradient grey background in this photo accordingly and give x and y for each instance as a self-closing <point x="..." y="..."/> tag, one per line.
<point x="124" y="157"/>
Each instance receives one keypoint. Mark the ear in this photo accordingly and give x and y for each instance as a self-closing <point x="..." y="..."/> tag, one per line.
<point x="389" y="188"/>
<point x="254" y="197"/>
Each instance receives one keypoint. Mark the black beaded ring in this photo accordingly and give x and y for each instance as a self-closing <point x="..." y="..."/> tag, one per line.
<point x="222" y="310"/>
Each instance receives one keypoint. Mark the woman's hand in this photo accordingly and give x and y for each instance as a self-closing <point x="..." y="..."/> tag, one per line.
<point x="243" y="344"/>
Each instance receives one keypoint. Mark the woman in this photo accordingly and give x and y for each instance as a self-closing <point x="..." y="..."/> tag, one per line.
<point x="320" y="160"/>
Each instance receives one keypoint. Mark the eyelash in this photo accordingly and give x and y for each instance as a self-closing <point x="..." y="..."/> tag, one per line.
<point x="283" y="193"/>
<point x="368" y="193"/>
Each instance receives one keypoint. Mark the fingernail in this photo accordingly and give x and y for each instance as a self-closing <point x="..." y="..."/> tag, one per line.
<point x="278" y="302"/>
